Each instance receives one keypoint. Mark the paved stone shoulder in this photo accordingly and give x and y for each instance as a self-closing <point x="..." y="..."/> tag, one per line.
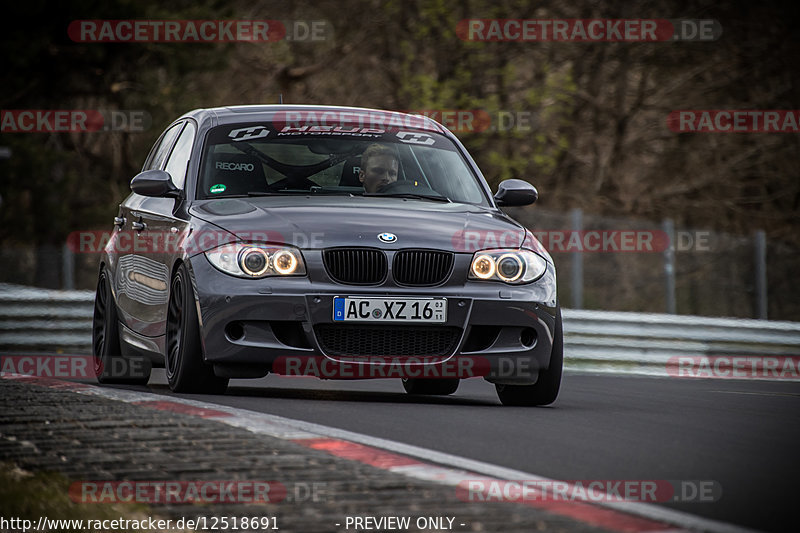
<point x="87" y="438"/>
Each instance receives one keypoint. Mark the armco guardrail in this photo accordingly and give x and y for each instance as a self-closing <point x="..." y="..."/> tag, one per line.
<point x="34" y="319"/>
<point x="644" y="343"/>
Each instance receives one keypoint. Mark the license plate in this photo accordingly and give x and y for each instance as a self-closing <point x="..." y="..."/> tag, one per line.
<point x="352" y="308"/>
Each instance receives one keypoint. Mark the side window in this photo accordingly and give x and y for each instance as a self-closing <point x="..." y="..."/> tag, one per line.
<point x="158" y="155"/>
<point x="179" y="159"/>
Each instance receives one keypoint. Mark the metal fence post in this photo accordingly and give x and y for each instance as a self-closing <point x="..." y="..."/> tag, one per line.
<point x="760" y="245"/>
<point x="669" y="265"/>
<point x="67" y="268"/>
<point x="577" y="262"/>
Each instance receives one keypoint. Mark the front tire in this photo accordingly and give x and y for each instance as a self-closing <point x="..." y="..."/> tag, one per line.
<point x="186" y="370"/>
<point x="433" y="387"/>
<point x="545" y="390"/>
<point x="110" y="366"/>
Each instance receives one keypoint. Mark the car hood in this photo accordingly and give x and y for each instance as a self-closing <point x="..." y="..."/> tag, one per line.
<point x="325" y="222"/>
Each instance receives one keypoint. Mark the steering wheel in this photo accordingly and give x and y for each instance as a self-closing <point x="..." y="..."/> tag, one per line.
<point x="292" y="183"/>
<point x="405" y="186"/>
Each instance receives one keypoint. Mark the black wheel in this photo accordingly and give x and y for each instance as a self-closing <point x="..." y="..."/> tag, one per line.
<point x="110" y="366"/>
<point x="545" y="390"/>
<point x="186" y="371"/>
<point x="437" y="387"/>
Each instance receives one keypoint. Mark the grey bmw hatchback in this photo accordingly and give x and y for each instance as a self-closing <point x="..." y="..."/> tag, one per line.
<point x="336" y="242"/>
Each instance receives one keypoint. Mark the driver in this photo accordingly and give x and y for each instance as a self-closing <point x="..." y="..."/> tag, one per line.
<point x="379" y="166"/>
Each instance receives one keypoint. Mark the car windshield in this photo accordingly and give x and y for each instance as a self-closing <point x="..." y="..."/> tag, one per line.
<point x="256" y="160"/>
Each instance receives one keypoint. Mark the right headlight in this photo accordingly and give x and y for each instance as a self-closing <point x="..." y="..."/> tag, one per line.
<point x="510" y="266"/>
<point x="247" y="260"/>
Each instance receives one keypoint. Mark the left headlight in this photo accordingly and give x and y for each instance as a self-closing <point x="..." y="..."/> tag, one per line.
<point x="247" y="260"/>
<point x="509" y="266"/>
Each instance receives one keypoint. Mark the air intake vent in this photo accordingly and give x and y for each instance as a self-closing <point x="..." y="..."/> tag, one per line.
<point x="421" y="268"/>
<point x="356" y="266"/>
<point x="380" y="341"/>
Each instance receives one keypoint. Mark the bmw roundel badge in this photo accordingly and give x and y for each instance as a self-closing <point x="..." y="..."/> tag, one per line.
<point x="387" y="237"/>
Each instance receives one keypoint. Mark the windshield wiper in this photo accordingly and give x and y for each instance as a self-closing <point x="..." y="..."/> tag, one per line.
<point x="243" y="195"/>
<point x="436" y="198"/>
<point x="280" y="192"/>
<point x="286" y="192"/>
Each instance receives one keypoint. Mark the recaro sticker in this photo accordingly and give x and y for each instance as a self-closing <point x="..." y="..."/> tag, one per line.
<point x="225" y="165"/>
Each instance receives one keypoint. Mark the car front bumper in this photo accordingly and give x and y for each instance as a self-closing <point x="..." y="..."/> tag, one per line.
<point x="252" y="326"/>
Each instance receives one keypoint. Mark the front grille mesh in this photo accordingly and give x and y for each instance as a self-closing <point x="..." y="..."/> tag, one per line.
<point x="381" y="341"/>
<point x="421" y="267"/>
<point x="356" y="266"/>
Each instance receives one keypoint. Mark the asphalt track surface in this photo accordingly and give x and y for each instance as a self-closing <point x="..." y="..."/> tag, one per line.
<point x="743" y="435"/>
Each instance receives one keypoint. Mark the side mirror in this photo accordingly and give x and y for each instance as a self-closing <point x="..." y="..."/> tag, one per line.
<point x="156" y="183"/>
<point x="515" y="193"/>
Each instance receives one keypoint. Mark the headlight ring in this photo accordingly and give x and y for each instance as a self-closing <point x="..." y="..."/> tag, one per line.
<point x="253" y="260"/>
<point x="512" y="266"/>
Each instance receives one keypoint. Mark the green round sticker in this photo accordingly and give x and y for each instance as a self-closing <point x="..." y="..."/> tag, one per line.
<point x="219" y="187"/>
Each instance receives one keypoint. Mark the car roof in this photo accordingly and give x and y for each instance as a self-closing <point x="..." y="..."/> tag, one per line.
<point x="315" y="115"/>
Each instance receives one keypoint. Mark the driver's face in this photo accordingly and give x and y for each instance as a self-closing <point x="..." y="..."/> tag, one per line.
<point x="380" y="171"/>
